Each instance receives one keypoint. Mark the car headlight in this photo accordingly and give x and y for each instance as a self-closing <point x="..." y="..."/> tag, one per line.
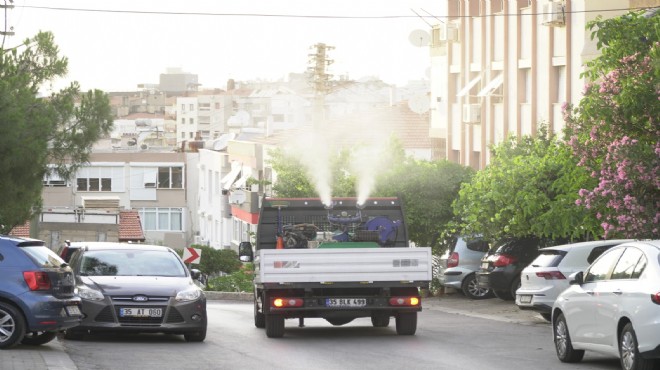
<point x="90" y="294"/>
<point x="188" y="295"/>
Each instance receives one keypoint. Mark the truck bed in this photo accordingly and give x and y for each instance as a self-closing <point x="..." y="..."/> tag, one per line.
<point x="343" y="265"/>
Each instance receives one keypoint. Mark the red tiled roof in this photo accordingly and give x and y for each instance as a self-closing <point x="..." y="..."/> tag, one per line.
<point x="130" y="227"/>
<point x="22" y="231"/>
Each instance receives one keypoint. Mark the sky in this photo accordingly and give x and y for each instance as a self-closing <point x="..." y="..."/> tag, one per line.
<point x="124" y="43"/>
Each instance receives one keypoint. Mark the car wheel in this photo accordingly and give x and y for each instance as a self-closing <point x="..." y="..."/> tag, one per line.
<point x="503" y="295"/>
<point x="37" y="338"/>
<point x="629" y="354"/>
<point x="274" y="326"/>
<point x="406" y="323"/>
<point x="72" y="334"/>
<point x="471" y="288"/>
<point x="259" y="317"/>
<point x="195" y="336"/>
<point x="563" y="345"/>
<point x="515" y="285"/>
<point x="546" y="316"/>
<point x="380" y="321"/>
<point x="12" y="326"/>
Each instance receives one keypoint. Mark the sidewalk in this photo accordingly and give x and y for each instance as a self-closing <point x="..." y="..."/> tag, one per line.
<point x="52" y="356"/>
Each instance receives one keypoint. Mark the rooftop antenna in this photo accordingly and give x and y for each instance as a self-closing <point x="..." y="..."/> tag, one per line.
<point x="438" y="19"/>
<point x="420" y="17"/>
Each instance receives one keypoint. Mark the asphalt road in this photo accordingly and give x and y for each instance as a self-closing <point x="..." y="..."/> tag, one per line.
<point x="453" y="333"/>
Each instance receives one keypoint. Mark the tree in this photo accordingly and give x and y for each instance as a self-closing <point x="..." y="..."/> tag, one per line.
<point x="528" y="189"/>
<point x="36" y="131"/>
<point x="616" y="126"/>
<point x="213" y="261"/>
<point x="427" y="190"/>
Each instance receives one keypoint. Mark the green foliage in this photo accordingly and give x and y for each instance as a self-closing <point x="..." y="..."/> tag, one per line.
<point x="35" y="131"/>
<point x="213" y="261"/>
<point x="427" y="190"/>
<point x="238" y="281"/>
<point x="529" y="188"/>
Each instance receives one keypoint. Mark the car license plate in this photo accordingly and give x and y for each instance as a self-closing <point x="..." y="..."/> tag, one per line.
<point x="140" y="312"/>
<point x="73" y="310"/>
<point x="484" y="265"/>
<point x="525" y="299"/>
<point x="346" y="302"/>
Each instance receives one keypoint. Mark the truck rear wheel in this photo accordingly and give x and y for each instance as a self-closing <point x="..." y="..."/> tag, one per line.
<point x="259" y="317"/>
<point x="406" y="323"/>
<point x="274" y="326"/>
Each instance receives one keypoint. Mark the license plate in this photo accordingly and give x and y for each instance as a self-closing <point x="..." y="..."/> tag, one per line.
<point x="73" y="310"/>
<point x="525" y="299"/>
<point x="484" y="265"/>
<point x="346" y="302"/>
<point x="140" y="312"/>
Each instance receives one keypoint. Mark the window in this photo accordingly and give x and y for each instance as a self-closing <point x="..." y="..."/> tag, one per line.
<point x="183" y="135"/>
<point x="94" y="184"/>
<point x="191" y="135"/>
<point x="192" y="106"/>
<point x="192" y="121"/>
<point x="600" y="269"/>
<point x="51" y="178"/>
<point x="162" y="219"/>
<point x="183" y="120"/>
<point x="217" y="105"/>
<point x="183" y="107"/>
<point x="627" y="264"/>
<point x="170" y="177"/>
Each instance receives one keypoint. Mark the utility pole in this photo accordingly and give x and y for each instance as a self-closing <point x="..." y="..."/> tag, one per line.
<point x="320" y="80"/>
<point x="6" y="30"/>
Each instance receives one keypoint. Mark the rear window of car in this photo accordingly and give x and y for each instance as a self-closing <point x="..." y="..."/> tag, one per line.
<point x="43" y="256"/>
<point x="478" y="245"/>
<point x="130" y="263"/>
<point x="548" y="258"/>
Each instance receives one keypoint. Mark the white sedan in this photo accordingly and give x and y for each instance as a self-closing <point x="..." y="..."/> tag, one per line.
<point x="613" y="308"/>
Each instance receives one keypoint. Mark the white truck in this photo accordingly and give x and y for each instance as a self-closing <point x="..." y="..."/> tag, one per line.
<point x="337" y="261"/>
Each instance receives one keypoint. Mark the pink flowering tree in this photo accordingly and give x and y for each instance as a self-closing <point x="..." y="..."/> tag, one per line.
<point x="615" y="129"/>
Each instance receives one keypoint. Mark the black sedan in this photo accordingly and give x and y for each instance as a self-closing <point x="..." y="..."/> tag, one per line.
<point x="137" y="288"/>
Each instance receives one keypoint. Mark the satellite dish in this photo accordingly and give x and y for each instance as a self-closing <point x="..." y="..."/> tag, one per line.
<point x="222" y="142"/>
<point x="419" y="38"/>
<point x="419" y="103"/>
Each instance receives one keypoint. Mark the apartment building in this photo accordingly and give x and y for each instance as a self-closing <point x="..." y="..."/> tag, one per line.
<point x="505" y="67"/>
<point x="202" y="117"/>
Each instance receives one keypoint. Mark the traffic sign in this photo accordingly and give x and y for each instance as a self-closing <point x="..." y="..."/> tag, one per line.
<point x="192" y="255"/>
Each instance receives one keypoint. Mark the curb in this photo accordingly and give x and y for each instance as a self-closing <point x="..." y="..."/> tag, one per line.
<point x="228" y="296"/>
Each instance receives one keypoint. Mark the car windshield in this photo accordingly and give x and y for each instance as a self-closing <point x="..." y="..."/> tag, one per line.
<point x="43" y="256"/>
<point x="130" y="263"/>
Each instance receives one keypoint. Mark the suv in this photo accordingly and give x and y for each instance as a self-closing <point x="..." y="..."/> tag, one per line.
<point x="36" y="295"/>
<point x="501" y="266"/>
<point x="546" y="276"/>
<point x="457" y="266"/>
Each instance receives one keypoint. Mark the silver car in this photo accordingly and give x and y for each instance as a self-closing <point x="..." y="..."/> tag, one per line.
<point x="137" y="288"/>
<point x="543" y="279"/>
<point x="457" y="266"/>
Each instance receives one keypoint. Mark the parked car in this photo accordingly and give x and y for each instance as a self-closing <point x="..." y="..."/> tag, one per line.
<point x="457" y="266"/>
<point x="613" y="307"/>
<point x="501" y="267"/>
<point x="36" y="295"/>
<point x="66" y="250"/>
<point x="137" y="288"/>
<point x="543" y="279"/>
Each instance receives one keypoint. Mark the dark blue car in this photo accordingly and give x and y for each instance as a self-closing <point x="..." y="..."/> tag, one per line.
<point x="36" y="293"/>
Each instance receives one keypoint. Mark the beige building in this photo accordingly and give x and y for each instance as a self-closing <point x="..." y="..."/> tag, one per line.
<point x="502" y="67"/>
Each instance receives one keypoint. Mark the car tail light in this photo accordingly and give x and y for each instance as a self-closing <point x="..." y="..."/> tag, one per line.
<point x="405" y="301"/>
<point x="452" y="261"/>
<point x="37" y="280"/>
<point x="504" y="260"/>
<point x="551" y="275"/>
<point x="287" y="302"/>
<point x="656" y="298"/>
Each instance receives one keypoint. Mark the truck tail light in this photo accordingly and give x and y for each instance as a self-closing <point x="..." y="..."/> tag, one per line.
<point x="452" y="261"/>
<point x="405" y="301"/>
<point x="37" y="280"/>
<point x="504" y="260"/>
<point x="287" y="302"/>
<point x="551" y="275"/>
<point x="656" y="298"/>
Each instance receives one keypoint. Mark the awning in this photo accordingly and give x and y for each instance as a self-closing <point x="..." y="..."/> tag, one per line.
<point x="229" y="179"/>
<point x="247" y="172"/>
<point x="490" y="88"/>
<point x="467" y="87"/>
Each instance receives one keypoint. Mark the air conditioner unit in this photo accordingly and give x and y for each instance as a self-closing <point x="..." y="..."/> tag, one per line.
<point x="472" y="113"/>
<point x="553" y="14"/>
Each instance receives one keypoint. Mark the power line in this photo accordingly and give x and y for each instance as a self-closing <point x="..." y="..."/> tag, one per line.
<point x="315" y="16"/>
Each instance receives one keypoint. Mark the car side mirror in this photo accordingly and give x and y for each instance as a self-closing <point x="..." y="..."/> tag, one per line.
<point x="245" y="253"/>
<point x="195" y="274"/>
<point x="576" y="278"/>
